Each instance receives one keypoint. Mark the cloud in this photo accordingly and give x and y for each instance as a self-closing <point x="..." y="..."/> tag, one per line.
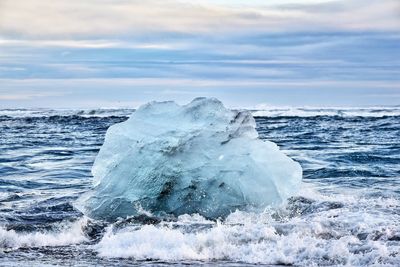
<point x="105" y="18"/>
<point x="88" y="44"/>
<point x="183" y="83"/>
<point x="85" y="93"/>
<point x="26" y="95"/>
<point x="109" y="50"/>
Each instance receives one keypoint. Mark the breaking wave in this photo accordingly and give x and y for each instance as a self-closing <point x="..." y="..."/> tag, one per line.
<point x="322" y="235"/>
<point x="376" y="112"/>
<point x="66" y="234"/>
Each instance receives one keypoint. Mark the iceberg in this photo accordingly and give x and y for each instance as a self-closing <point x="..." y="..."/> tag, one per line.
<point x="199" y="158"/>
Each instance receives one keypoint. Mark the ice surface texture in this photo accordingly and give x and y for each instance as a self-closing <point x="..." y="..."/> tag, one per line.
<point x="197" y="158"/>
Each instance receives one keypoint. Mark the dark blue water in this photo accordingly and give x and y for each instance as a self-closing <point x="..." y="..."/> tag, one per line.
<point x="347" y="212"/>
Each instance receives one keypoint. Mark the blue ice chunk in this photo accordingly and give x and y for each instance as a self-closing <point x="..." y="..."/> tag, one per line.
<point x="196" y="158"/>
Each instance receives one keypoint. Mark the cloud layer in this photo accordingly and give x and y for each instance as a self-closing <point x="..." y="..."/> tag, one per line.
<point x="280" y="52"/>
<point x="99" y="18"/>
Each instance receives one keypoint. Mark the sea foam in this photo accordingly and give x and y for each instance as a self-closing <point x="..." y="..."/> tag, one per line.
<point x="255" y="238"/>
<point x="67" y="234"/>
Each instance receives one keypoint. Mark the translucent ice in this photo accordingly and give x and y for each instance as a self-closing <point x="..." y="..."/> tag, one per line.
<point x="197" y="158"/>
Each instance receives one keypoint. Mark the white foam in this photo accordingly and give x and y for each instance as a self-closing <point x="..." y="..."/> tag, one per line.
<point x="329" y="237"/>
<point x="375" y="112"/>
<point x="68" y="234"/>
<point x="258" y="112"/>
<point x="33" y="113"/>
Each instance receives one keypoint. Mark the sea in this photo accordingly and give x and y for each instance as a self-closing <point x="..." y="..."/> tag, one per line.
<point x="346" y="213"/>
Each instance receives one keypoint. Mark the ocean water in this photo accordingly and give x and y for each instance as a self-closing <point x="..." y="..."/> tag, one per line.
<point x="347" y="211"/>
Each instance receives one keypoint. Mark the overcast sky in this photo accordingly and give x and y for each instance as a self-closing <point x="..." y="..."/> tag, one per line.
<point x="120" y="53"/>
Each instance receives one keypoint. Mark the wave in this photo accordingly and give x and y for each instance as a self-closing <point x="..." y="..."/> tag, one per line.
<point x="272" y="112"/>
<point x="38" y="113"/>
<point x="255" y="239"/>
<point x="321" y="229"/>
<point x="340" y="112"/>
<point x="66" y="234"/>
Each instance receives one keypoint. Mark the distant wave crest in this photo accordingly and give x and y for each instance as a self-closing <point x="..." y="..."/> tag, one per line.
<point x="375" y="112"/>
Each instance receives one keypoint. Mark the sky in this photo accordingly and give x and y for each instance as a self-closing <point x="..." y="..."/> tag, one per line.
<point x="247" y="53"/>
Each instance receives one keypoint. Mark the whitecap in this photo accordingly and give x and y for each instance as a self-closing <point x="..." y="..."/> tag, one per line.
<point x="67" y="234"/>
